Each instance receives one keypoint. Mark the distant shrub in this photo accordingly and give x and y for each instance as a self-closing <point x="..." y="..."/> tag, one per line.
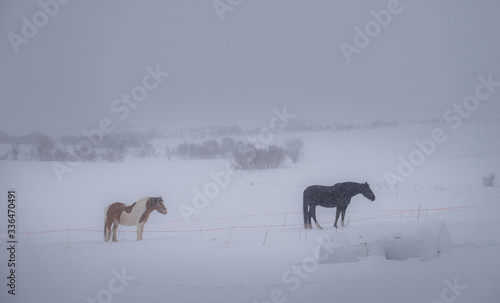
<point x="15" y="152"/>
<point x="148" y="151"/>
<point x="248" y="157"/>
<point x="44" y="148"/>
<point x="62" y="155"/>
<point x="114" y="153"/>
<point x="489" y="180"/>
<point x="12" y="154"/>
<point x="210" y="149"/>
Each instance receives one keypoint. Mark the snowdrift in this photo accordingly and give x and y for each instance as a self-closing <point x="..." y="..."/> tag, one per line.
<point x="424" y="240"/>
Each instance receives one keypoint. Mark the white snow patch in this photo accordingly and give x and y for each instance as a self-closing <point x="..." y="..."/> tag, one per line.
<point x="424" y="240"/>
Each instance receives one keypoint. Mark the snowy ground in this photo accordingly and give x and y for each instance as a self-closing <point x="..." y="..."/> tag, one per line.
<point x="247" y="244"/>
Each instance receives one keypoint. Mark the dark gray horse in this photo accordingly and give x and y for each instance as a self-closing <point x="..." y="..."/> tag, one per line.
<point x="338" y="195"/>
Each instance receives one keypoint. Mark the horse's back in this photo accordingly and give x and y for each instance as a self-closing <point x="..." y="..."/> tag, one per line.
<point x="114" y="206"/>
<point x="314" y="193"/>
<point x="345" y="189"/>
<point x="347" y="184"/>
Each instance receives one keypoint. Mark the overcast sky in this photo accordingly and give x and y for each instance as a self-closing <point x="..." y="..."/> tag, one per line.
<point x="235" y="66"/>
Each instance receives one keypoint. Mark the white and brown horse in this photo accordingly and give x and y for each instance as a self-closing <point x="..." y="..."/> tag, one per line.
<point x="136" y="214"/>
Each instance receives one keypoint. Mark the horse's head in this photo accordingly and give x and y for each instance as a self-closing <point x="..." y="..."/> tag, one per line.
<point x="159" y="205"/>
<point x="367" y="192"/>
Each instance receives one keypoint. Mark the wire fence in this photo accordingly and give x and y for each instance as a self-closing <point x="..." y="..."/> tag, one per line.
<point x="285" y="216"/>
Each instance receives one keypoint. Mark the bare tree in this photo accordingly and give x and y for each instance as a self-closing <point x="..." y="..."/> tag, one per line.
<point x="294" y="148"/>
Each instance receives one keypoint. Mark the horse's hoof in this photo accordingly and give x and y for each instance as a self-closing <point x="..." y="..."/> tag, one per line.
<point x="114" y="240"/>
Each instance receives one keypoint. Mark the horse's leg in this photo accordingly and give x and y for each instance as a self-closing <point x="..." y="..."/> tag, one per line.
<point x="106" y="233"/>
<point x="140" y="229"/>
<point x="314" y="217"/>
<point x="337" y="214"/>
<point x="115" y="227"/>
<point x="343" y="216"/>
<point x="107" y="230"/>
<point x="306" y="215"/>
<point x="309" y="217"/>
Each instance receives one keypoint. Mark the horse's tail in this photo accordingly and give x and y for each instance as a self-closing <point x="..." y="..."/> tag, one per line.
<point x="105" y="223"/>
<point x="305" y="209"/>
<point x="105" y="217"/>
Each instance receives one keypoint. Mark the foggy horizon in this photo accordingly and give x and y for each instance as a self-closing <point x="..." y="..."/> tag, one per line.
<point x="137" y="128"/>
<point x="233" y="67"/>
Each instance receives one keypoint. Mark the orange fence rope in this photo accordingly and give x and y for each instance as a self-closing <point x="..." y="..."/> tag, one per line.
<point x="390" y="213"/>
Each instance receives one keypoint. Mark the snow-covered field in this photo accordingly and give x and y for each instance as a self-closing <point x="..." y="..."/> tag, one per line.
<point x="245" y="241"/>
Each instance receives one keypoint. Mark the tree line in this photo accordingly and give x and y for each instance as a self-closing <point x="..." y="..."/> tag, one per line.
<point x="245" y="155"/>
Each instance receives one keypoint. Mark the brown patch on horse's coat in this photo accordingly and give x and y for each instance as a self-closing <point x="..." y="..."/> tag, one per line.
<point x="149" y="208"/>
<point x="128" y="209"/>
<point x="115" y="210"/>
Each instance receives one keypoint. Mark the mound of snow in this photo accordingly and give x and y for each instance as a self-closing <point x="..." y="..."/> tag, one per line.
<point x="393" y="241"/>
<point x="420" y="239"/>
